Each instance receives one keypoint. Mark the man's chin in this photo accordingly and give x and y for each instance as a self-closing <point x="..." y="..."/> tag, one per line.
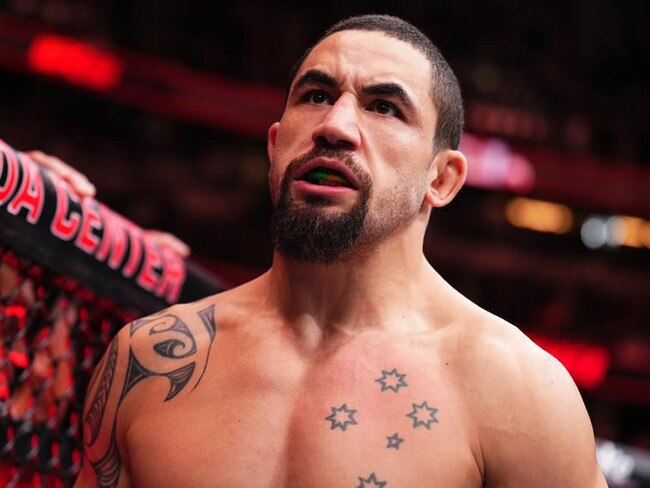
<point x="317" y="228"/>
<point x="315" y="234"/>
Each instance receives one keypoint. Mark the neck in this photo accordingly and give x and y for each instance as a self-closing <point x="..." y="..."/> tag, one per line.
<point x="374" y="289"/>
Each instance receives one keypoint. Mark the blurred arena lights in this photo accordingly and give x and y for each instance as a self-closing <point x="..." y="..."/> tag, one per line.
<point x="596" y="231"/>
<point x="617" y="464"/>
<point x="586" y="363"/>
<point x="615" y="230"/>
<point x="494" y="165"/>
<point x="75" y="61"/>
<point x="539" y="215"/>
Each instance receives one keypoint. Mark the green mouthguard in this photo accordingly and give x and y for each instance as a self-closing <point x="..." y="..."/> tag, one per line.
<point x="323" y="175"/>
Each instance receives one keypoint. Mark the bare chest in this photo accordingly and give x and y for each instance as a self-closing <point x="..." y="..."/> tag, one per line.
<point x="358" y="418"/>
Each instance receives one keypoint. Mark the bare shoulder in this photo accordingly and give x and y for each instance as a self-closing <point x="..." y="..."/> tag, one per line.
<point x="532" y="423"/>
<point x="183" y="330"/>
<point x="189" y="324"/>
<point x="152" y="359"/>
<point x="500" y="354"/>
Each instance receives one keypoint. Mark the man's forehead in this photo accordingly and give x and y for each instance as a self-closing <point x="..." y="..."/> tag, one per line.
<point x="370" y="55"/>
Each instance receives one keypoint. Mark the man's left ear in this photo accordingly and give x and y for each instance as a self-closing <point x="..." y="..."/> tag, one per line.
<point x="449" y="170"/>
<point x="270" y="139"/>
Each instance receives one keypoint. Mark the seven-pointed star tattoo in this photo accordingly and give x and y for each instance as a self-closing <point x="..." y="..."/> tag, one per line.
<point x="391" y="380"/>
<point x="423" y="414"/>
<point x="370" y="482"/>
<point x="394" y="441"/>
<point x="342" y="417"/>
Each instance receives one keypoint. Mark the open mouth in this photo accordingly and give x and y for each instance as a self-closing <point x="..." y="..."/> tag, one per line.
<point x="321" y="175"/>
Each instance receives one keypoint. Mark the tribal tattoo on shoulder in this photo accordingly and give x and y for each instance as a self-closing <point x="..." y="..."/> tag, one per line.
<point x="97" y="408"/>
<point x="177" y="344"/>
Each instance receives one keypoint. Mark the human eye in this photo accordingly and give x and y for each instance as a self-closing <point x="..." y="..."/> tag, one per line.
<point x="317" y="97"/>
<point x="382" y="107"/>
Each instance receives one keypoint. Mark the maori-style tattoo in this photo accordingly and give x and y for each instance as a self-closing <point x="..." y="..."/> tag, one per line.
<point x="423" y="415"/>
<point x="207" y="317"/>
<point x="342" y="417"/>
<point x="173" y="348"/>
<point x="96" y="373"/>
<point x="394" y="441"/>
<point x="370" y="482"/>
<point x="391" y="380"/>
<point x="178" y="379"/>
<point x="93" y="420"/>
<point x="136" y="372"/>
<point x="107" y="468"/>
<point x="138" y="323"/>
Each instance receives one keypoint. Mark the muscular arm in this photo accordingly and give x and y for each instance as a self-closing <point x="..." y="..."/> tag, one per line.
<point x="102" y="464"/>
<point x="172" y="344"/>
<point x="535" y="431"/>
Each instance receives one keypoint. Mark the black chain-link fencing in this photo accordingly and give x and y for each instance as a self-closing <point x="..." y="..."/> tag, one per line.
<point x="52" y="335"/>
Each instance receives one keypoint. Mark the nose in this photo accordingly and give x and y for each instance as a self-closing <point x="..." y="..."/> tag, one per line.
<point x="340" y="126"/>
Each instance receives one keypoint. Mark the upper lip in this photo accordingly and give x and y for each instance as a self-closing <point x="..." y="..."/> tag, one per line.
<point x="331" y="164"/>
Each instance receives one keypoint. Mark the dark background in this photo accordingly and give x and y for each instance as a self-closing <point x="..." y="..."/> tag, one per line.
<point x="571" y="71"/>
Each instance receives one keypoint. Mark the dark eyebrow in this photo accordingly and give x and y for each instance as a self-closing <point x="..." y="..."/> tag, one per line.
<point x="395" y="90"/>
<point x="316" y="76"/>
<point x="391" y="90"/>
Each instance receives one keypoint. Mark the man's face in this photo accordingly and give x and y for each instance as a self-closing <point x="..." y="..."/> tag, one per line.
<point x="350" y="158"/>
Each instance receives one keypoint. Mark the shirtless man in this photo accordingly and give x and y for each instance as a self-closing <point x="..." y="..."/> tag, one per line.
<point x="351" y="362"/>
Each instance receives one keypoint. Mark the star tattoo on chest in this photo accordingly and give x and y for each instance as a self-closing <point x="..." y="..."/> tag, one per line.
<point x="342" y="417"/>
<point x="423" y="415"/>
<point x="394" y="441"/>
<point x="370" y="482"/>
<point x="391" y="380"/>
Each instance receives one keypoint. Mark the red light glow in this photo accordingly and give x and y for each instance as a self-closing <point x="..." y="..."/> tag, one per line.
<point x="494" y="165"/>
<point x="77" y="62"/>
<point x="587" y="363"/>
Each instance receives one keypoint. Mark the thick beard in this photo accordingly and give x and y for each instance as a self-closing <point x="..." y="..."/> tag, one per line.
<point x="303" y="232"/>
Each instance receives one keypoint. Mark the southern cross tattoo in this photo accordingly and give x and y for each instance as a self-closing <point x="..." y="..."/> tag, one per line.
<point x="423" y="414"/>
<point x="342" y="417"/>
<point x="394" y="441"/>
<point x="391" y="380"/>
<point x="370" y="482"/>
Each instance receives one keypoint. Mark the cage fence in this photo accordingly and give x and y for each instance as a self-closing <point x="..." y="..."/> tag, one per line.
<point x="72" y="272"/>
<point x="53" y="334"/>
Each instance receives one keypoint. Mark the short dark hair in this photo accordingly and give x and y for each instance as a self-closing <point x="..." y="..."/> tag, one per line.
<point x="445" y="88"/>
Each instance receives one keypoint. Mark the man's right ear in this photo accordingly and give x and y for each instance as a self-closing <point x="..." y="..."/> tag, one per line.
<point x="270" y="140"/>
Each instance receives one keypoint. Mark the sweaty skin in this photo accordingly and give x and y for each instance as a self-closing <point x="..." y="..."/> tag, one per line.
<point x="368" y="372"/>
